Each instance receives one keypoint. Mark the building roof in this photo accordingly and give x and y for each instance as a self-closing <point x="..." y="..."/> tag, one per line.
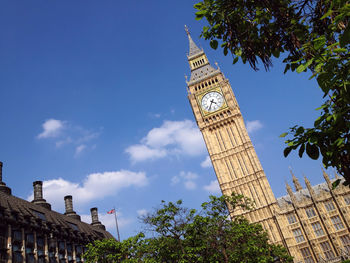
<point x="304" y="193"/>
<point x="15" y="208"/>
<point x="194" y="49"/>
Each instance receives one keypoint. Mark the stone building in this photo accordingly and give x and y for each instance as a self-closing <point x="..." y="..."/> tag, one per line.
<point x="31" y="232"/>
<point x="312" y="222"/>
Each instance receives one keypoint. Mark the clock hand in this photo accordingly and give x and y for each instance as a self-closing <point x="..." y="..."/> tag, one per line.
<point x="211" y="102"/>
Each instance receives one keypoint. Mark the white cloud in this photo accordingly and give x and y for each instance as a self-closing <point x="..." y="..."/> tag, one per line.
<point x="51" y="128"/>
<point x="172" y="137"/>
<point x="253" y="126"/>
<point x="79" y="149"/>
<point x="139" y="152"/>
<point x="94" y="186"/>
<point x="206" y="163"/>
<point x="190" y="185"/>
<point x="213" y="187"/>
<point x="187" y="178"/>
<point x="66" y="133"/>
<point x="142" y="212"/>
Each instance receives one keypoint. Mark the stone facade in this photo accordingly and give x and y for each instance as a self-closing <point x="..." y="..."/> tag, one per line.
<point x="31" y="232"/>
<point x="312" y="222"/>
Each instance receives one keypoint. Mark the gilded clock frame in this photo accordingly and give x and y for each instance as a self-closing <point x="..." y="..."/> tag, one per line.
<point x="200" y="95"/>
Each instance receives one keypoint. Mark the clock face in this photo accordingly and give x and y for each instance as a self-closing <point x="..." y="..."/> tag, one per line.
<point x="212" y="101"/>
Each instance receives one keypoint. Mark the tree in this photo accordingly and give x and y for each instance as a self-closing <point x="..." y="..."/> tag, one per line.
<point x="314" y="35"/>
<point x="186" y="235"/>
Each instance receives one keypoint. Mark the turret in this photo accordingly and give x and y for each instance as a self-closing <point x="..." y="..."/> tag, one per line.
<point x="290" y="193"/>
<point x="296" y="183"/>
<point x="328" y="180"/>
<point x="309" y="187"/>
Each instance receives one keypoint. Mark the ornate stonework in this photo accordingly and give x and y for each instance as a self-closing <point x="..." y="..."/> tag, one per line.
<point x="238" y="169"/>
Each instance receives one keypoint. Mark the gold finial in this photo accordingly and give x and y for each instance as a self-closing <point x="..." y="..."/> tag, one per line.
<point x="186" y="29"/>
<point x="186" y="77"/>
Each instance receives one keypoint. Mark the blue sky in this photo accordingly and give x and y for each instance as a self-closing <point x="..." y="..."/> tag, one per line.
<point x="93" y="102"/>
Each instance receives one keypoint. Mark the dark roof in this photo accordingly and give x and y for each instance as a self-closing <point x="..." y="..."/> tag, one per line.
<point x="45" y="218"/>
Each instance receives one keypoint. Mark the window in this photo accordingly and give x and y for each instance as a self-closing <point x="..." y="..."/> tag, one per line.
<point x="291" y="218"/>
<point x="298" y="235"/>
<point x="346" y="242"/>
<point x="17" y="236"/>
<point x="310" y="212"/>
<point x="329" y="206"/>
<point x="3" y="237"/>
<point x="338" y="224"/>
<point x="39" y="215"/>
<point x="317" y="229"/>
<point x="307" y="255"/>
<point x="30" y="240"/>
<point x="328" y="252"/>
<point x="347" y="199"/>
<point x="74" y="226"/>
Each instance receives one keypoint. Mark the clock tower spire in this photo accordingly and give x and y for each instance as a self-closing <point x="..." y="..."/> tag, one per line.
<point x="231" y="151"/>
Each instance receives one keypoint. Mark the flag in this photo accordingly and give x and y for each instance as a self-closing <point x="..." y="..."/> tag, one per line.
<point x="111" y="212"/>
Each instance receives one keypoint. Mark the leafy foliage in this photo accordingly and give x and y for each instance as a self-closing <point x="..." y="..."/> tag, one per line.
<point x="186" y="235"/>
<point x="315" y="37"/>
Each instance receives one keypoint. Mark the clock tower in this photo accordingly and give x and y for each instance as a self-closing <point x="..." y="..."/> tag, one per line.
<point x="231" y="151"/>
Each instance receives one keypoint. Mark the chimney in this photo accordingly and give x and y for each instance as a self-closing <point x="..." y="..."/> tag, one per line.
<point x="94" y="219"/>
<point x="68" y="202"/>
<point x="3" y="187"/>
<point x="38" y="195"/>
<point x="38" y="190"/>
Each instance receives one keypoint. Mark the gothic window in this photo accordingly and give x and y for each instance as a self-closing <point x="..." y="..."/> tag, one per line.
<point x="346" y="242"/>
<point x="329" y="206"/>
<point x="338" y="224"/>
<point x="347" y="199"/>
<point x="299" y="237"/>
<point x="327" y="250"/>
<point x="310" y="212"/>
<point x="291" y="218"/>
<point x="307" y="255"/>
<point x="317" y="229"/>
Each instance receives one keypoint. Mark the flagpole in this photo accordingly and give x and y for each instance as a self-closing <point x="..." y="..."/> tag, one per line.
<point x="116" y="223"/>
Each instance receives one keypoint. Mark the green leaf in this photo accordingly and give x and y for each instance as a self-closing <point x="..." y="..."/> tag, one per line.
<point x="301" y="150"/>
<point x="300" y="130"/>
<point x="225" y="51"/>
<point x="345" y="37"/>
<point x="335" y="184"/>
<point x="214" y="44"/>
<point x="283" y="134"/>
<point x="276" y="53"/>
<point x="312" y="151"/>
<point x="286" y="68"/>
<point x="340" y="50"/>
<point x="235" y="60"/>
<point x="319" y="42"/>
<point x="301" y="68"/>
<point x="328" y="13"/>
<point x="287" y="151"/>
